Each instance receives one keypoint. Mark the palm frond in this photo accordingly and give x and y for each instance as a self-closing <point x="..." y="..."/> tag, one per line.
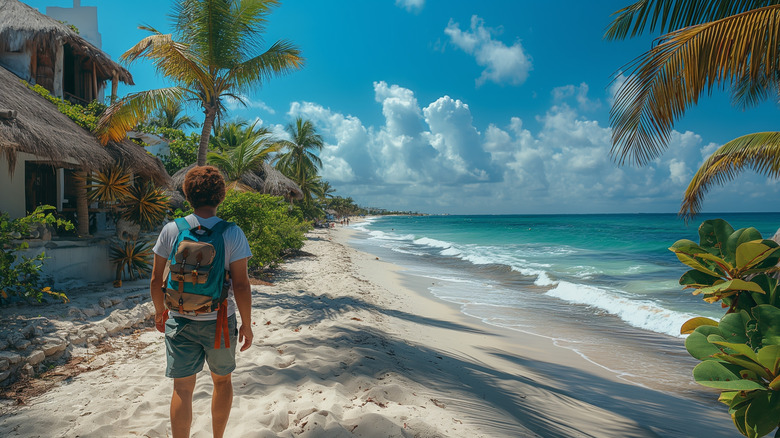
<point x="111" y="185"/>
<point x="124" y="114"/>
<point x="668" y="15"/>
<point x="759" y="152"/>
<point x="246" y="157"/>
<point x="281" y="58"/>
<point x="171" y="58"/>
<point x="664" y="81"/>
<point x="749" y="93"/>
<point x="135" y="256"/>
<point x="146" y="205"/>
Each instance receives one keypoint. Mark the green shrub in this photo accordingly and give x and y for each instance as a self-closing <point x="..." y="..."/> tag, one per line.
<point x="740" y="354"/>
<point x="20" y="276"/>
<point x="86" y="117"/>
<point x="183" y="147"/>
<point x="273" y="230"/>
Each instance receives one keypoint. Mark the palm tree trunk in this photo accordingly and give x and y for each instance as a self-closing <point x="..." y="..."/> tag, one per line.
<point x="82" y="205"/>
<point x="205" y="134"/>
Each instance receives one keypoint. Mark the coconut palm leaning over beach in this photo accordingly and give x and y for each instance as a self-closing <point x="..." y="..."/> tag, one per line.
<point x="716" y="44"/>
<point x="211" y="55"/>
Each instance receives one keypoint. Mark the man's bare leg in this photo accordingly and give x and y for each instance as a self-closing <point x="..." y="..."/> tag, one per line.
<point x="221" y="402"/>
<point x="181" y="406"/>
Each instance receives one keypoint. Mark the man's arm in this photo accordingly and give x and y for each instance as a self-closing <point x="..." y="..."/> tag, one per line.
<point x="155" y="289"/>
<point x="242" y="291"/>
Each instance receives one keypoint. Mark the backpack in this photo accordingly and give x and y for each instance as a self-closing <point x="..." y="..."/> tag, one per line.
<point x="195" y="277"/>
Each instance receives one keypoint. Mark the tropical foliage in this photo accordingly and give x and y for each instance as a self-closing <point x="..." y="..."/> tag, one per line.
<point x="84" y="116"/>
<point x="212" y="56"/>
<point x="244" y="150"/>
<point x="740" y="354"/>
<point x="145" y="205"/>
<point x="272" y="230"/>
<point x="110" y="186"/>
<point x="170" y="116"/>
<point x="133" y="257"/>
<point x="708" y="45"/>
<point x="20" y="276"/>
<point x="299" y="160"/>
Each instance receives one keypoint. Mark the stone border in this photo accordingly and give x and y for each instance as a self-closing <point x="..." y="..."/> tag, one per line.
<point x="29" y="345"/>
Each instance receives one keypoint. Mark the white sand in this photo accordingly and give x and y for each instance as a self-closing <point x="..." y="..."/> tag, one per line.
<point x="344" y="348"/>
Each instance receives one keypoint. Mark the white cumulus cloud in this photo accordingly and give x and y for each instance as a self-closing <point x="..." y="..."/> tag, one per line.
<point x="503" y="64"/>
<point x="246" y="102"/>
<point x="432" y="158"/>
<point x="411" y="5"/>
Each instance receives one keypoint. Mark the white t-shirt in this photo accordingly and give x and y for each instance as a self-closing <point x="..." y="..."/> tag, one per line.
<point x="236" y="248"/>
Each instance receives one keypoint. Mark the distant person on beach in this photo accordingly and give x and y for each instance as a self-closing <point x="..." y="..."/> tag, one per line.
<point x="190" y="338"/>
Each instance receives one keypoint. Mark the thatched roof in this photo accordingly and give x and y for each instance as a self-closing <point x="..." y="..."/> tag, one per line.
<point x="41" y="129"/>
<point x="20" y="23"/>
<point x="266" y="180"/>
<point x="276" y="183"/>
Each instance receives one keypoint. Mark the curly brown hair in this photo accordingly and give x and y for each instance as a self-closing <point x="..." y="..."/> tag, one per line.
<point x="204" y="186"/>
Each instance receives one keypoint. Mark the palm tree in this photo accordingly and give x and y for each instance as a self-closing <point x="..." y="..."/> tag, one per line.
<point x="213" y="56"/>
<point x="327" y="190"/>
<point x="300" y="159"/>
<point x="725" y="44"/>
<point x="237" y="160"/>
<point x="169" y="116"/>
<point x="233" y="133"/>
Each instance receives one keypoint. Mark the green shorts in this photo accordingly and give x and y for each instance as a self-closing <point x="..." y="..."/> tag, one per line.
<point x="189" y="343"/>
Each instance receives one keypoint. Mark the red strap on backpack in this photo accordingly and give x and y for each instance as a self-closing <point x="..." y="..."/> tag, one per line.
<point x="222" y="326"/>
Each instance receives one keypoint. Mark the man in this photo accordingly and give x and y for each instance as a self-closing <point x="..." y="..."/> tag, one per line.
<point x="187" y="350"/>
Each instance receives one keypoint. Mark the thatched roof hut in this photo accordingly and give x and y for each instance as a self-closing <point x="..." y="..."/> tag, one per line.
<point x="40" y="129"/>
<point x="265" y="180"/>
<point x="21" y="25"/>
<point x="276" y="183"/>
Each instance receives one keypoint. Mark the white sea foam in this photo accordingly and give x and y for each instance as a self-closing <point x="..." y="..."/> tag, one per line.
<point x="451" y="252"/>
<point x="390" y="236"/>
<point x="406" y="251"/>
<point x="638" y="313"/>
<point x="544" y="280"/>
<point x="427" y="241"/>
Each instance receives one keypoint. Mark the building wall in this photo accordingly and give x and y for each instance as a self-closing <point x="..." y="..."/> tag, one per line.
<point x="81" y="261"/>
<point x="12" y="192"/>
<point x="18" y="63"/>
<point x="83" y="17"/>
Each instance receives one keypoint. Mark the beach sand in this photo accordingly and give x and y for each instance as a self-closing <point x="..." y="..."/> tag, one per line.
<point x="346" y="345"/>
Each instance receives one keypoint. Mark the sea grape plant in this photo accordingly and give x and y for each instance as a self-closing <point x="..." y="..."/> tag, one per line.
<point x="740" y="354"/>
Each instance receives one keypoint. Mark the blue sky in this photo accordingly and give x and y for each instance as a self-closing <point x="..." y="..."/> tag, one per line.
<point x="463" y="107"/>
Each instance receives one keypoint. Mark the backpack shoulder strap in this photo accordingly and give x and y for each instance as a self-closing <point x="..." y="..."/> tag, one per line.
<point x="182" y="224"/>
<point x="221" y="226"/>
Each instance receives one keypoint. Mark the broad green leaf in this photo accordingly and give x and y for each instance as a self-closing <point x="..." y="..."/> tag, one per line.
<point x="698" y="346"/>
<point x="742" y="349"/>
<point x="749" y="365"/>
<point x="713" y="235"/>
<point x="750" y="254"/>
<point x="686" y="250"/>
<point x="732" y="327"/>
<point x="718" y="262"/>
<point x="769" y="357"/>
<point x="692" y="324"/>
<point x="714" y="374"/>
<point x="698" y="278"/>
<point x="733" y="285"/>
<point x="768" y="323"/>
<point x="763" y="413"/>
<point x="739" y="237"/>
<point x="727" y="397"/>
<point x="775" y="384"/>
<point x="738" y="416"/>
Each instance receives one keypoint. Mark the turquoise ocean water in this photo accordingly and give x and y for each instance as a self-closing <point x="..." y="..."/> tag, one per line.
<point x="605" y="286"/>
